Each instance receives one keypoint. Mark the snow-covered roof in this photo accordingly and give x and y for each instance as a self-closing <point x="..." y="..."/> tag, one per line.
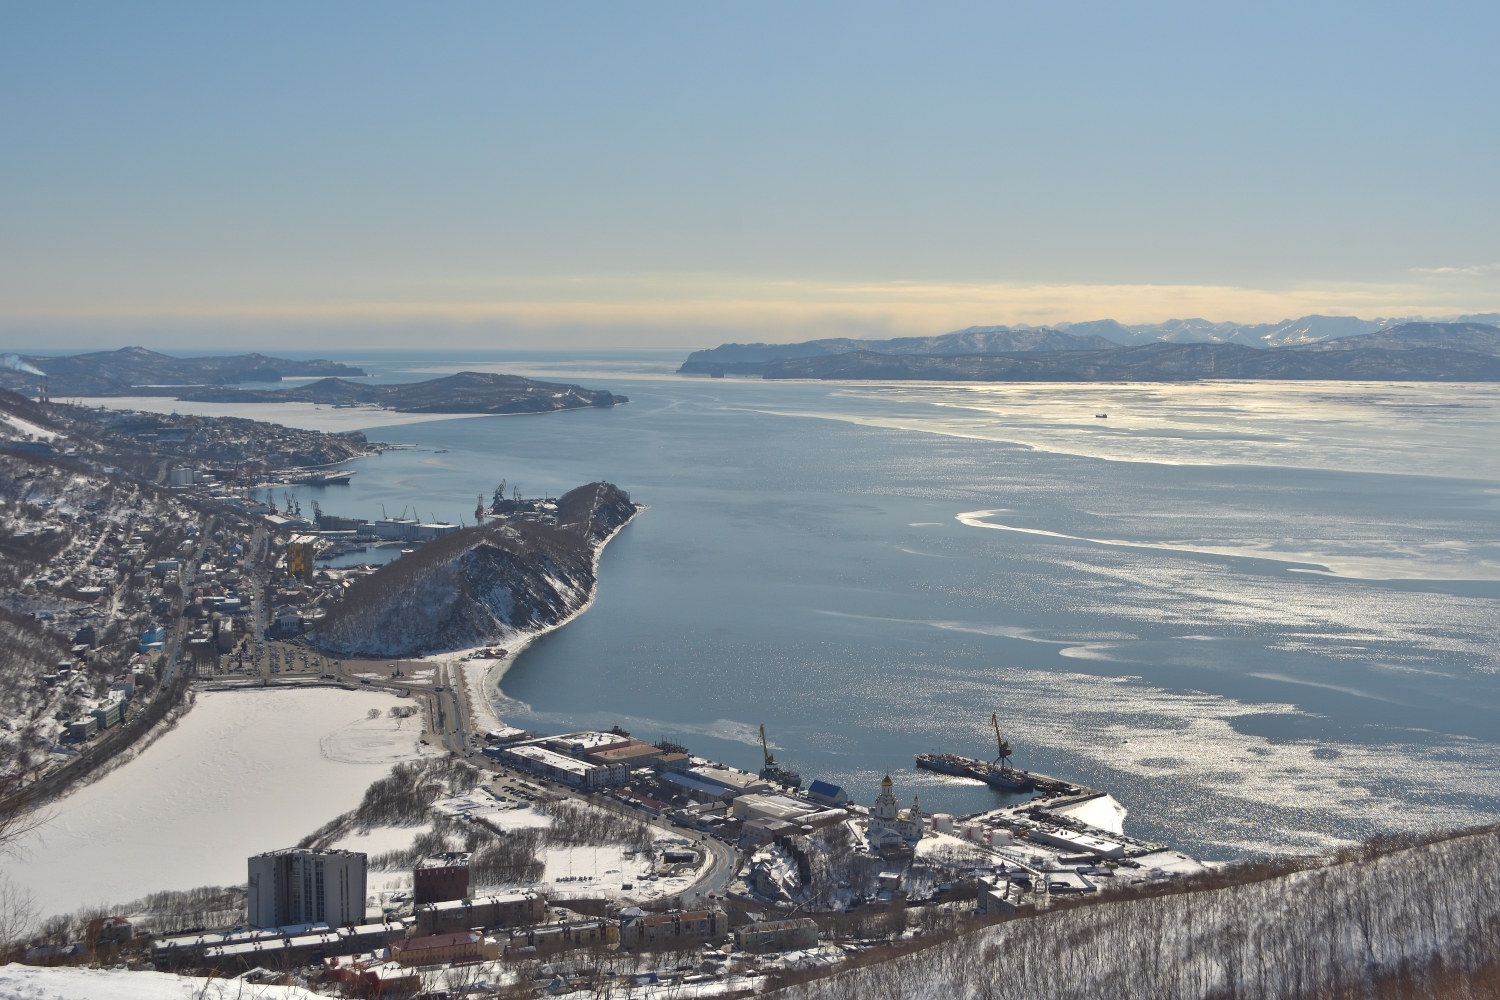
<point x="542" y="755"/>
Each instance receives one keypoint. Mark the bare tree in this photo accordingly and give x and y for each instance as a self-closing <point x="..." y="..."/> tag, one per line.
<point x="17" y="915"/>
<point x="16" y="818"/>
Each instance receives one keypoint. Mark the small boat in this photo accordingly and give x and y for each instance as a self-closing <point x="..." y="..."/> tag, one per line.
<point x="1102" y="416"/>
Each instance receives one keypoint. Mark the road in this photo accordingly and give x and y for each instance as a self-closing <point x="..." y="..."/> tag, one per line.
<point x="718" y="870"/>
<point x="448" y="720"/>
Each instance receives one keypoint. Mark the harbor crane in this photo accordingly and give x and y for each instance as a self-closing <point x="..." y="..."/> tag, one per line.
<point x="1002" y="745"/>
<point x="773" y="771"/>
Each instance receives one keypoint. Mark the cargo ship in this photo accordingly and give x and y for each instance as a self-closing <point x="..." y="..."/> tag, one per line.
<point x="997" y="773"/>
<point x="1006" y="779"/>
<point x="337" y="477"/>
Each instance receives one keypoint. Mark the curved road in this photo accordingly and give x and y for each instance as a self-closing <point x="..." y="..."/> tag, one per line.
<point x="447" y="727"/>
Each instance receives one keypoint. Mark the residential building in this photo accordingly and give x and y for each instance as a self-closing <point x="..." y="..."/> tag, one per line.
<point x="107" y="930"/>
<point x="441" y="877"/>
<point x="304" y="886"/>
<point x="512" y="909"/>
<point x="435" y="949"/>
<point x="659" y="931"/>
<point x="777" y="935"/>
<point x="548" y="938"/>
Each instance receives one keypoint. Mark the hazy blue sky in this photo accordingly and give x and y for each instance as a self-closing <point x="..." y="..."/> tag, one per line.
<point x="642" y="174"/>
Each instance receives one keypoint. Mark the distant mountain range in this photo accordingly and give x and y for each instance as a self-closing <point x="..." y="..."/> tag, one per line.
<point x="1314" y="347"/>
<point x="127" y="371"/>
<point x="1287" y="333"/>
<point x="748" y="359"/>
<point x="135" y="371"/>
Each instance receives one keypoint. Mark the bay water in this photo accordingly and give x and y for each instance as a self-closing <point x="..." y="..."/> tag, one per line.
<point x="1264" y="616"/>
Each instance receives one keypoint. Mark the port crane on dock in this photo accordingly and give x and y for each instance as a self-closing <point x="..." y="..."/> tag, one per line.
<point x="773" y="771"/>
<point x="1002" y="745"/>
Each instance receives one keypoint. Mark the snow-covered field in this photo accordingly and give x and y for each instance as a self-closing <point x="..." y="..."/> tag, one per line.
<point x="243" y="772"/>
<point x="568" y="872"/>
<point x="25" y="982"/>
<point x="12" y="425"/>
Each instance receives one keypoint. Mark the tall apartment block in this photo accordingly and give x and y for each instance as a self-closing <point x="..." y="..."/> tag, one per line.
<point x="305" y="886"/>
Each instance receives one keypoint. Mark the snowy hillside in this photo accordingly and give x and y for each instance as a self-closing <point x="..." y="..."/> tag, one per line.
<point x="480" y="586"/>
<point x="1334" y="930"/>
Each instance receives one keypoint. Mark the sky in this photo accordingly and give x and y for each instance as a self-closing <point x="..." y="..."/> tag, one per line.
<point x="681" y="174"/>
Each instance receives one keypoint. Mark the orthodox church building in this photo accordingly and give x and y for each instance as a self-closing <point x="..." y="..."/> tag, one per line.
<point x="891" y="826"/>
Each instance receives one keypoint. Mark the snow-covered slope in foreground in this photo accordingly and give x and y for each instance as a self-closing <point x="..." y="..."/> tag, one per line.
<point x="27" y="982"/>
<point x="1330" y="931"/>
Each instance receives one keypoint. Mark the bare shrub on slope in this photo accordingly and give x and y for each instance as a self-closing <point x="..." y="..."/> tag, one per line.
<point x="1350" y="928"/>
<point x="576" y="824"/>
<point x="403" y="797"/>
<point x="467" y="589"/>
<point x="479" y="585"/>
<point x="509" y="860"/>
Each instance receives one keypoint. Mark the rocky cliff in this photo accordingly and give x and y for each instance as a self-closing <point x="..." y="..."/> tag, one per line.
<point x="480" y="586"/>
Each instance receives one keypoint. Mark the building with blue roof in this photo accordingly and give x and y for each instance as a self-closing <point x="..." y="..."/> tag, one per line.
<point x="827" y="793"/>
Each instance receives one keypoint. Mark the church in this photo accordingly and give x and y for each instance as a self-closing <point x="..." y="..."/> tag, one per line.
<point x="891" y="827"/>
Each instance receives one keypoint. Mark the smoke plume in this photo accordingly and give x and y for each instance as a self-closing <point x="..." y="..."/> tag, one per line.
<point x="14" y="362"/>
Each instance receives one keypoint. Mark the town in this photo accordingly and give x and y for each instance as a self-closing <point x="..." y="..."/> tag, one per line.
<point x="679" y="870"/>
<point x="698" y="873"/>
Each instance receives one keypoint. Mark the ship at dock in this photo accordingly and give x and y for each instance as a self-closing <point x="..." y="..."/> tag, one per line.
<point x="1006" y="779"/>
<point x="997" y="773"/>
<point x="333" y="477"/>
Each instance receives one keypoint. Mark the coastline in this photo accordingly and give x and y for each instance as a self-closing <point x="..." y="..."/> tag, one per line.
<point x="480" y="677"/>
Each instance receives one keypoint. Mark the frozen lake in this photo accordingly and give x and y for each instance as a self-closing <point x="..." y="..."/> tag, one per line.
<point x="243" y="772"/>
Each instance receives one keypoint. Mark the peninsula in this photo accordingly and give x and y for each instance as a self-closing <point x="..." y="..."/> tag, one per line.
<point x="496" y="582"/>
<point x="464" y="392"/>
